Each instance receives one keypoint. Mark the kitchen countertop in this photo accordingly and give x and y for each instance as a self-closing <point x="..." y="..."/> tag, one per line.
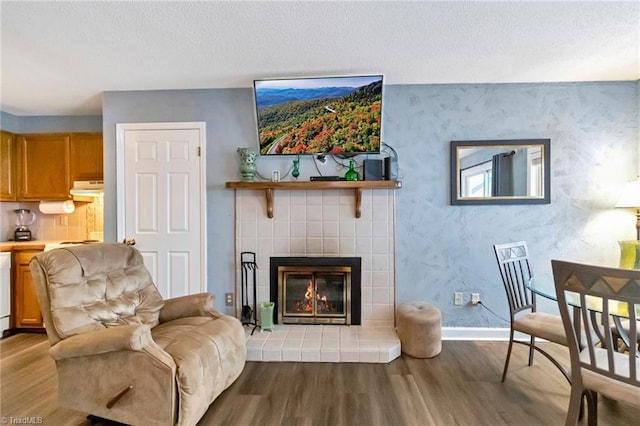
<point x="23" y="245"/>
<point x="31" y="245"/>
<point x="27" y="245"/>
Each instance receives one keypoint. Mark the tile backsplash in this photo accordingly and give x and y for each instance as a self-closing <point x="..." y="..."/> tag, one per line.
<point x="323" y="223"/>
<point x="86" y="222"/>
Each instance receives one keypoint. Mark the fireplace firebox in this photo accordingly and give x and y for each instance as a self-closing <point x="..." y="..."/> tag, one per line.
<point x="316" y="290"/>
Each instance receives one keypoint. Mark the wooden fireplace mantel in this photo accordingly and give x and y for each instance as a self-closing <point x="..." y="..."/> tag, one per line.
<point x="357" y="186"/>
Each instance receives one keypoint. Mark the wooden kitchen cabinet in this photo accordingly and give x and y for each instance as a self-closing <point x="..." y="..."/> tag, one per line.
<point x="86" y="156"/>
<point x="44" y="171"/>
<point x="25" y="308"/>
<point x="7" y="166"/>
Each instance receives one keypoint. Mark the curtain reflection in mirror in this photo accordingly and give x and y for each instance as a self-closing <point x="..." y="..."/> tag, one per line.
<point x="502" y="172"/>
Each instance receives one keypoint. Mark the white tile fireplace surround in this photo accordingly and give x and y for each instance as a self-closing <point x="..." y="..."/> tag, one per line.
<point x="323" y="223"/>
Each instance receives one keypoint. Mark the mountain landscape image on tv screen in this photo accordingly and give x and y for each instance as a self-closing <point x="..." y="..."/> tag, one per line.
<point x="336" y="115"/>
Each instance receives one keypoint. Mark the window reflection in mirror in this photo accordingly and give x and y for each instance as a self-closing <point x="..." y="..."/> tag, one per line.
<point x="500" y="172"/>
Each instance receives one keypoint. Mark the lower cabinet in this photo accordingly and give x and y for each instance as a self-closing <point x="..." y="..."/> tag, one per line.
<point x="26" y="310"/>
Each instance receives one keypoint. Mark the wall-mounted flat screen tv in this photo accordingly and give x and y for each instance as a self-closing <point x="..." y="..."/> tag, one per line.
<point x="333" y="115"/>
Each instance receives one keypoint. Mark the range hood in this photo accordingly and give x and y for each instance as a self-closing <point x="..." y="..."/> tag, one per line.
<point x="87" y="188"/>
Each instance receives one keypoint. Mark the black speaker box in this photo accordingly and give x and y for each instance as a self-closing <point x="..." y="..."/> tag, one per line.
<point x="390" y="168"/>
<point x="372" y="169"/>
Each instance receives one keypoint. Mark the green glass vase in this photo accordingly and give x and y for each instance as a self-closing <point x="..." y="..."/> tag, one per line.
<point x="296" y="169"/>
<point x="351" y="174"/>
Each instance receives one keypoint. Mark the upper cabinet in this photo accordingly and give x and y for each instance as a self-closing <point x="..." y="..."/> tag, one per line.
<point x="7" y="166"/>
<point x="42" y="167"/>
<point x="86" y="156"/>
<point x="44" y="171"/>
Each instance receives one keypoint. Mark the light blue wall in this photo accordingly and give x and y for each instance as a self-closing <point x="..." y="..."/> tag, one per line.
<point x="50" y="123"/>
<point x="440" y="248"/>
<point x="229" y="121"/>
<point x="9" y="122"/>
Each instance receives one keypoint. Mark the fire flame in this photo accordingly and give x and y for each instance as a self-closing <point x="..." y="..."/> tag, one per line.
<point x="322" y="303"/>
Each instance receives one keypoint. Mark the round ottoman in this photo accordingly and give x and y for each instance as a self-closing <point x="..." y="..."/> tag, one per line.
<point x="419" y="328"/>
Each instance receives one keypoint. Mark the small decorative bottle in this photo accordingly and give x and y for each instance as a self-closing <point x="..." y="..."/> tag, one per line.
<point x="296" y="169"/>
<point x="351" y="174"/>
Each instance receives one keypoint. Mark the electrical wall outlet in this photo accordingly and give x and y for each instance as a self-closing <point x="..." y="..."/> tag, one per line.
<point x="228" y="299"/>
<point x="475" y="298"/>
<point x="457" y="298"/>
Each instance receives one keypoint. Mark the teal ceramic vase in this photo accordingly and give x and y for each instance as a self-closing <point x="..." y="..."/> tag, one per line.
<point x="248" y="163"/>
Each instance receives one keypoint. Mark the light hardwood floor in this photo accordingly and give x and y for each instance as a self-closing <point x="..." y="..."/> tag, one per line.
<point x="461" y="386"/>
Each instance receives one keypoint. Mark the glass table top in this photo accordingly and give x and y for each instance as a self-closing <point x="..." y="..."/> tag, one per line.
<point x="547" y="289"/>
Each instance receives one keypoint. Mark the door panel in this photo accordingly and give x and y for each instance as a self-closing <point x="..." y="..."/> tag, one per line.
<point x="151" y="262"/>
<point x="179" y="209"/>
<point x="179" y="272"/>
<point x="146" y="203"/>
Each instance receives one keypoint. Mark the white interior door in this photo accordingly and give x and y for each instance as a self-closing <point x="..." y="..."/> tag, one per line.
<point x="161" y="198"/>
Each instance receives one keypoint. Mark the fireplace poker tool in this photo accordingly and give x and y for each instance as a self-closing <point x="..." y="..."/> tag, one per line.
<point x="248" y="315"/>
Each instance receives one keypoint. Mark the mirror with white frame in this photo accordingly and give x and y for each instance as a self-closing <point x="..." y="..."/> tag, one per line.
<point x="500" y="172"/>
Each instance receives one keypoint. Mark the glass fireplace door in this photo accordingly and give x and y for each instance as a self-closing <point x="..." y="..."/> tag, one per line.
<point x="315" y="296"/>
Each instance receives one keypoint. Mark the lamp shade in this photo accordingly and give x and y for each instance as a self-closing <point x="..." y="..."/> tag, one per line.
<point x="631" y="195"/>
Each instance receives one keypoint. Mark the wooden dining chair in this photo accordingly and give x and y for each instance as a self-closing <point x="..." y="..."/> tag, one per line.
<point x="593" y="300"/>
<point x="515" y="270"/>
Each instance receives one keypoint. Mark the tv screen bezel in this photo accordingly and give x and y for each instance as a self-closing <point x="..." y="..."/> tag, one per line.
<point x="345" y="154"/>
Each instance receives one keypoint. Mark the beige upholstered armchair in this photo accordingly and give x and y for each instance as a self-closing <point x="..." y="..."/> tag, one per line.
<point x="121" y="352"/>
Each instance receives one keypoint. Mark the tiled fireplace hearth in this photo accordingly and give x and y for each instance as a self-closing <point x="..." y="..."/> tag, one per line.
<point x="321" y="223"/>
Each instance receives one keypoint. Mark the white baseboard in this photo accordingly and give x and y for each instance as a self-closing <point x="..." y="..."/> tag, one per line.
<point x="480" y="333"/>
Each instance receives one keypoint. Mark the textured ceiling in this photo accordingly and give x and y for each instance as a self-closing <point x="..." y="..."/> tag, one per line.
<point x="58" y="57"/>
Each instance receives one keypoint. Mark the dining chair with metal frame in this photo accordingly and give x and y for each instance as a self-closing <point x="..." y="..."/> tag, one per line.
<point x="515" y="270"/>
<point x="593" y="301"/>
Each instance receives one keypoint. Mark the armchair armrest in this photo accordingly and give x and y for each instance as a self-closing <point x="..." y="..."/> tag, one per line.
<point x="193" y="305"/>
<point x="133" y="337"/>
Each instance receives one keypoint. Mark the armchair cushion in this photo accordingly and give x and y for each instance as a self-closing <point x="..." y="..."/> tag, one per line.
<point x="209" y="353"/>
<point x="193" y="305"/>
<point x="128" y="337"/>
<point x="93" y="289"/>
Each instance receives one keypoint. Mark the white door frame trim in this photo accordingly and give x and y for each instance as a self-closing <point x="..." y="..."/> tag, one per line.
<point x="121" y="129"/>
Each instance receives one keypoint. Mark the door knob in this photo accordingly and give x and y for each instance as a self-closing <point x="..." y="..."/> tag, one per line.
<point x="129" y="241"/>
